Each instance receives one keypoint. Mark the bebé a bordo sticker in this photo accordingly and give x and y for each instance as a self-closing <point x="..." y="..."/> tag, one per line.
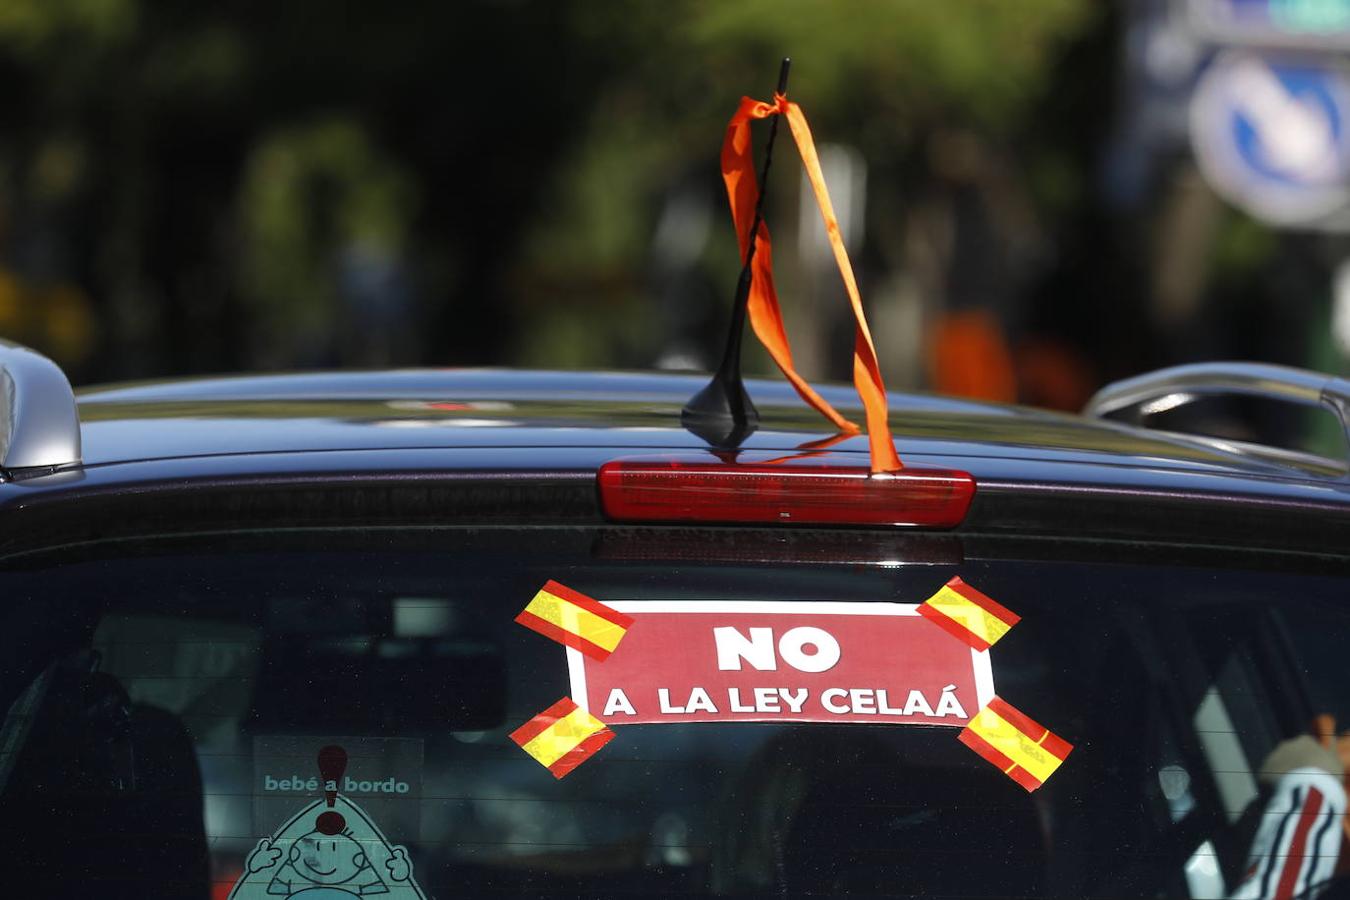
<point x="329" y="850"/>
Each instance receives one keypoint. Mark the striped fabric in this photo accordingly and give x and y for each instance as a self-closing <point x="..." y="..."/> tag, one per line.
<point x="1297" y="843"/>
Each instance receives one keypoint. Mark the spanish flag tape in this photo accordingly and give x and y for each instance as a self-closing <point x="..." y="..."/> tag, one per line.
<point x="1026" y="751"/>
<point x="571" y="618"/>
<point x="562" y="737"/>
<point x="968" y="615"/>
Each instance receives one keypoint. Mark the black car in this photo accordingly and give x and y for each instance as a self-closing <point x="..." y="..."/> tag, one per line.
<point x="460" y="633"/>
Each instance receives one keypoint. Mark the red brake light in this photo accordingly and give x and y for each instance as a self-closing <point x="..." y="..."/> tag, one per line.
<point x="807" y="491"/>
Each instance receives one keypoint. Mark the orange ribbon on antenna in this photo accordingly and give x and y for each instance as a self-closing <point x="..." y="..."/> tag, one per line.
<point x="765" y="315"/>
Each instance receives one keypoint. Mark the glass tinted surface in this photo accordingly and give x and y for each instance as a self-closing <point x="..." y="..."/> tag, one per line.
<point x="172" y="700"/>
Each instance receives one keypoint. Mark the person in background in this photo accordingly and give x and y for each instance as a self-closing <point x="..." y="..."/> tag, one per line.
<point x="1300" y="844"/>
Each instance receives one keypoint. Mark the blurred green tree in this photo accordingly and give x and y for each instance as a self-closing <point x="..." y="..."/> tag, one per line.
<point x="203" y="173"/>
<point x="883" y="76"/>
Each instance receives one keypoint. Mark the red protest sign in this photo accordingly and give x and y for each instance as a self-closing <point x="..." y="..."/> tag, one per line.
<point x="758" y="661"/>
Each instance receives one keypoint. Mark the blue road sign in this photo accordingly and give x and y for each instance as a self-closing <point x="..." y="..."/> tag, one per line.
<point x="1273" y="135"/>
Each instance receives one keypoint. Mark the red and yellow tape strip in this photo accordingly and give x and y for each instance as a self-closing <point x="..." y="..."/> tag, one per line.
<point x="1026" y="751"/>
<point x="562" y="737"/>
<point x="570" y="617"/>
<point x="968" y="615"/>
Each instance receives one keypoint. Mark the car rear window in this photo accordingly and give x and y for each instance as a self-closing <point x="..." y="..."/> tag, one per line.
<point x="327" y="714"/>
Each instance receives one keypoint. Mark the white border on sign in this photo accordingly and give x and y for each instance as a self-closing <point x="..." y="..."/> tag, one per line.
<point x="984" y="677"/>
<point x="576" y="663"/>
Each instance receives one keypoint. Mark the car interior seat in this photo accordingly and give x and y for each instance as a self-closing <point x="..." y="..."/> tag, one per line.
<point x="823" y="811"/>
<point x="104" y="797"/>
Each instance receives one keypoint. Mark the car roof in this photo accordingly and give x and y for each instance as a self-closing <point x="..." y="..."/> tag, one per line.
<point x="496" y="446"/>
<point x="540" y="420"/>
<point x="486" y="408"/>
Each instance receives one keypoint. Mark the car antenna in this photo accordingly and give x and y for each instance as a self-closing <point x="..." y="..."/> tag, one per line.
<point x="722" y="413"/>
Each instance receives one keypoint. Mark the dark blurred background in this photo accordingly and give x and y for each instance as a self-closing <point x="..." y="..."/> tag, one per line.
<point x="198" y="188"/>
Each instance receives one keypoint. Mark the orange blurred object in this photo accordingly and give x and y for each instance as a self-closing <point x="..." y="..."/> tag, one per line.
<point x="969" y="357"/>
<point x="1052" y="375"/>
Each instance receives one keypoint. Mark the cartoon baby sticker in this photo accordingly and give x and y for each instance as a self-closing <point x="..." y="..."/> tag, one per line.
<point x="330" y="850"/>
<point x="329" y="857"/>
<point x="327" y="854"/>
